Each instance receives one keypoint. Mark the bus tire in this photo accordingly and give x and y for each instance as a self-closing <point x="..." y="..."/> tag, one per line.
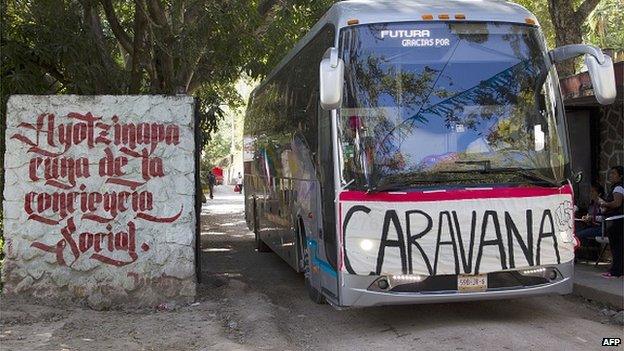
<point x="261" y="246"/>
<point x="313" y="293"/>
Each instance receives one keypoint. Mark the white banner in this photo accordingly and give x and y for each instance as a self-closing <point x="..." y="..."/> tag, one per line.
<point x="467" y="236"/>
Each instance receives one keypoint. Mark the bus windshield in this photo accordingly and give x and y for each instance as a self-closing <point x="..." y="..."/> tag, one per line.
<point x="449" y="102"/>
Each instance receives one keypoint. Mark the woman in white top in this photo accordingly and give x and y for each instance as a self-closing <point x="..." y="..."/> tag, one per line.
<point x="613" y="211"/>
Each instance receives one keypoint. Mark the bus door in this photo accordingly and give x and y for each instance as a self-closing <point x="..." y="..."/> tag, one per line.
<point x="324" y="250"/>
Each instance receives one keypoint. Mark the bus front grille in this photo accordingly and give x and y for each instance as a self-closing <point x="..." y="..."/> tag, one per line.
<point x="448" y="283"/>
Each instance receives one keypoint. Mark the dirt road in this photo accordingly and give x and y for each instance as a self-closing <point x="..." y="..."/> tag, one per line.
<point x="252" y="301"/>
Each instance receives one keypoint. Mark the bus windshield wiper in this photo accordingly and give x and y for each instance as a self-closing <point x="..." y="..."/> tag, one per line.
<point x="529" y="174"/>
<point x="524" y="172"/>
<point x="398" y="186"/>
<point x="487" y="164"/>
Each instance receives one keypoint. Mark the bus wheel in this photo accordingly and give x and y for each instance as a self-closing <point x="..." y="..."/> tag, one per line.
<point x="313" y="293"/>
<point x="261" y="246"/>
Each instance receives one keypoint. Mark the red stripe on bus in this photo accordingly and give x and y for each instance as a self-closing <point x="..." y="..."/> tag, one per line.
<point x="454" y="194"/>
<point x="340" y="245"/>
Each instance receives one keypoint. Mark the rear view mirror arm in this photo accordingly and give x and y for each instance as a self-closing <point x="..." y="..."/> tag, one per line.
<point x="570" y="51"/>
<point x="599" y="65"/>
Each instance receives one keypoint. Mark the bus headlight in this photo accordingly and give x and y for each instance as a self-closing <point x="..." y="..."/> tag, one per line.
<point x="408" y="278"/>
<point x="543" y="272"/>
<point x="366" y="244"/>
<point x="535" y="272"/>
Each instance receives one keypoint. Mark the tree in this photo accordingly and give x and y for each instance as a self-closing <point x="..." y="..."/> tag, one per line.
<point x="540" y="9"/>
<point x="605" y="27"/>
<point x="197" y="47"/>
<point x="563" y="23"/>
<point x="567" y="21"/>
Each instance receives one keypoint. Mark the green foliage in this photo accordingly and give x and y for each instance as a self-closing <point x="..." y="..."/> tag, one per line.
<point x="597" y="22"/>
<point x="540" y="9"/>
<point x="605" y="26"/>
<point x="197" y="47"/>
<point x="217" y="148"/>
<point x="228" y="139"/>
<point x="291" y="21"/>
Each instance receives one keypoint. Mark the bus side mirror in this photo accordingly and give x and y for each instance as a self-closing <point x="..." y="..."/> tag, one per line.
<point x="331" y="73"/>
<point x="599" y="65"/>
<point x="602" y="78"/>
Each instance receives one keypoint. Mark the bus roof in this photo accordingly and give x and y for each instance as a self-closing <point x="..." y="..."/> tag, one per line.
<point x="381" y="11"/>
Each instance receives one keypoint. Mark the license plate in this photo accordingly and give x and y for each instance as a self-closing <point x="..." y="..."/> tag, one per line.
<point x="471" y="283"/>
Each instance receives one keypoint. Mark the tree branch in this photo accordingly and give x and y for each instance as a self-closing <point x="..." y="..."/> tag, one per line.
<point x="191" y="14"/>
<point x="189" y="73"/>
<point x="152" y="64"/>
<point x="118" y="31"/>
<point x="265" y="6"/>
<point x="193" y="85"/>
<point x="51" y="70"/>
<point x="137" y="48"/>
<point x="147" y="54"/>
<point x="585" y="9"/>
<point x="92" y="19"/>
<point x="268" y="11"/>
<point x="157" y="13"/>
<point x="30" y="55"/>
<point x="162" y="49"/>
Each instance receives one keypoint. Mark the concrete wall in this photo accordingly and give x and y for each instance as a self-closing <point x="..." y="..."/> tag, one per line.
<point x="99" y="199"/>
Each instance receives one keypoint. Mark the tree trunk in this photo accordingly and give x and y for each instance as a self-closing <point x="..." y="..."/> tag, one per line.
<point x="137" y="49"/>
<point x="568" y="25"/>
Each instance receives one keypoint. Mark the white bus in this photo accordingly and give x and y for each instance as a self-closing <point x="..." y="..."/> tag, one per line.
<point x="416" y="152"/>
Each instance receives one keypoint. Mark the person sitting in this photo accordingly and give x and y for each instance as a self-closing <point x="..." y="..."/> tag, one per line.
<point x="613" y="211"/>
<point x="591" y="222"/>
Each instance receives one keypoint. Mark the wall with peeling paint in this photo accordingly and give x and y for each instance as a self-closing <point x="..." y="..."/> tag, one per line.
<point x="99" y="199"/>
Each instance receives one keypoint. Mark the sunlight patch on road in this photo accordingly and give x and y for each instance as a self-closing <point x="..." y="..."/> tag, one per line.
<point x="212" y="209"/>
<point x="217" y="249"/>
<point x="213" y="233"/>
<point x="241" y="235"/>
<point x="232" y="224"/>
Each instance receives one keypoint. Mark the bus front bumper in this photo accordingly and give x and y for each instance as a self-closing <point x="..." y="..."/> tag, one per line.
<point x="356" y="291"/>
